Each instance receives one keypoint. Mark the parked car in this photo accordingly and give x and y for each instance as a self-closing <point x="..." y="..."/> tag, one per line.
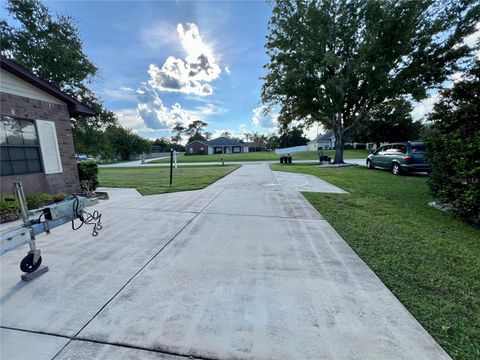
<point x="400" y="157"/>
<point x="83" y="157"/>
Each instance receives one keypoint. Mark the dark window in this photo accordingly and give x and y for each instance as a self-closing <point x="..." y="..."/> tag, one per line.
<point x="418" y="148"/>
<point x="19" y="149"/>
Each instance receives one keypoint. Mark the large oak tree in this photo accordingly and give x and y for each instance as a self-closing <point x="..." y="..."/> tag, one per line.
<point x="332" y="61"/>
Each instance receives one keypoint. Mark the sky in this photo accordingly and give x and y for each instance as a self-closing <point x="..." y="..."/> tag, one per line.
<point x="166" y="62"/>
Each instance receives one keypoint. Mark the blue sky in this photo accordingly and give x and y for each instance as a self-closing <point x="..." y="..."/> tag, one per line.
<point x="162" y="62"/>
<point x="166" y="62"/>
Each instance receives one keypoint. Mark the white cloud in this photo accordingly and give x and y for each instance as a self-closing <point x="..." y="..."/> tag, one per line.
<point x="422" y="108"/>
<point x="207" y="110"/>
<point x="122" y="93"/>
<point x="472" y="39"/>
<point x="156" y="115"/>
<point x="130" y="119"/>
<point x="151" y="109"/>
<point x="227" y="69"/>
<point x="191" y="75"/>
<point x="269" y="120"/>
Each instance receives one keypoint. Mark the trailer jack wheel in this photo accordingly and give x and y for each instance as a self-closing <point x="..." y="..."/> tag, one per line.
<point x="27" y="264"/>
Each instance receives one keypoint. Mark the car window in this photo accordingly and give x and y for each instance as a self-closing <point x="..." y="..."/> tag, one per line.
<point x="418" y="148"/>
<point x="399" y="148"/>
<point x="385" y="149"/>
<point x="379" y="150"/>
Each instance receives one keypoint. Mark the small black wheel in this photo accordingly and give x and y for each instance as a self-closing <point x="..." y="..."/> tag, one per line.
<point x="369" y="164"/>
<point x="27" y="264"/>
<point x="396" y="169"/>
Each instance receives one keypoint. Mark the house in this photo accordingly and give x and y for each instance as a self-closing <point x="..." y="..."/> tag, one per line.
<point x="220" y="145"/>
<point x="325" y="141"/>
<point x="36" y="141"/>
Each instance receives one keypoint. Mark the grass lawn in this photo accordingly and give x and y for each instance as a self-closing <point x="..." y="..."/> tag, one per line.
<point x="264" y="156"/>
<point x="428" y="259"/>
<point x="155" y="180"/>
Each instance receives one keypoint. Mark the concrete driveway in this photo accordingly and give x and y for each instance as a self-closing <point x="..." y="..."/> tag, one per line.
<point x="244" y="269"/>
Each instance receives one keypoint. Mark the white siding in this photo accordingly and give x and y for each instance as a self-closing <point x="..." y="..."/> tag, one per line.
<point x="47" y="135"/>
<point x="11" y="84"/>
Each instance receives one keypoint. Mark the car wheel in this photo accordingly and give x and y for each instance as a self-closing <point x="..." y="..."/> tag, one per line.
<point x="396" y="169"/>
<point x="369" y="164"/>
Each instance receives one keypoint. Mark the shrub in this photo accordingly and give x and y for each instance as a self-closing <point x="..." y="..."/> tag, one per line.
<point x="454" y="149"/>
<point x="361" y="147"/>
<point x="8" y="203"/>
<point x="88" y="174"/>
<point x="35" y="201"/>
<point x="59" y="197"/>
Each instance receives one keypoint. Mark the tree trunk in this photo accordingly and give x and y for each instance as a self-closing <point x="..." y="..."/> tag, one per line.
<point x="339" y="145"/>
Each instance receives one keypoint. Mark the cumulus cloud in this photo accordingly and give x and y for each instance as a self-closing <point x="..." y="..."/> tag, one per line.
<point x="151" y="109"/>
<point x="192" y="74"/>
<point x="156" y="116"/>
<point x="269" y="120"/>
<point x="130" y="119"/>
<point x="424" y="107"/>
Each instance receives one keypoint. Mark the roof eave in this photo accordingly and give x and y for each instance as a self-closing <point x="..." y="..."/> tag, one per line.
<point x="75" y="107"/>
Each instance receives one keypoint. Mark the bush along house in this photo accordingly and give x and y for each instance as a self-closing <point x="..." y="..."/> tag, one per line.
<point x="36" y="140"/>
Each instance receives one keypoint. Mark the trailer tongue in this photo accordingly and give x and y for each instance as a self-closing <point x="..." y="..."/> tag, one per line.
<point x="42" y="220"/>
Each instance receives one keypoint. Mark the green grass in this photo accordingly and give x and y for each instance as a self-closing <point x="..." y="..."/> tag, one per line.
<point x="155" y="180"/>
<point x="428" y="259"/>
<point x="263" y="156"/>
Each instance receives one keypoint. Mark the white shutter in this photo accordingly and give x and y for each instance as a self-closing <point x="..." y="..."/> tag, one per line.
<point x="47" y="135"/>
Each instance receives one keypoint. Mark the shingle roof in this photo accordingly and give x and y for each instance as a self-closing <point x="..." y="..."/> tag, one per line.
<point x="323" y="137"/>
<point x="199" y="141"/>
<point x="223" y="141"/>
<point x="75" y="107"/>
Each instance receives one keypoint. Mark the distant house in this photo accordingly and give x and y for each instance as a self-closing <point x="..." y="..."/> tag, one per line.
<point x="325" y="141"/>
<point x="36" y="141"/>
<point x="221" y="145"/>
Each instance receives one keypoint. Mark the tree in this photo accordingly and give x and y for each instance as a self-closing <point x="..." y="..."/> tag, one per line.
<point x="454" y="147"/>
<point x="179" y="130"/>
<point x="332" y="61"/>
<point x="196" y="136"/>
<point x="166" y="145"/>
<point x="273" y="142"/>
<point x="125" y="143"/>
<point x="52" y="49"/>
<point x="390" y="121"/>
<point x="207" y="135"/>
<point x="226" y="134"/>
<point x="195" y="128"/>
<point x="292" y="137"/>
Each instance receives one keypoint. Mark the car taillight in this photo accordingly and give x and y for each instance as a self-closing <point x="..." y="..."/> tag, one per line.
<point x="408" y="159"/>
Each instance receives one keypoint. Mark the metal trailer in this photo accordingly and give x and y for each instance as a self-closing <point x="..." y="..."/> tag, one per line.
<point x="42" y="220"/>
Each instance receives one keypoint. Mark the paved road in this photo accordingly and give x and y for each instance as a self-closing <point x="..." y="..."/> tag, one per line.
<point x="139" y="163"/>
<point x="244" y="269"/>
<point x="133" y="163"/>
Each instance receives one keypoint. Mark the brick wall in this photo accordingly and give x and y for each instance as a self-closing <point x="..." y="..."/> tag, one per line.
<point x="25" y="108"/>
<point x="196" y="146"/>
